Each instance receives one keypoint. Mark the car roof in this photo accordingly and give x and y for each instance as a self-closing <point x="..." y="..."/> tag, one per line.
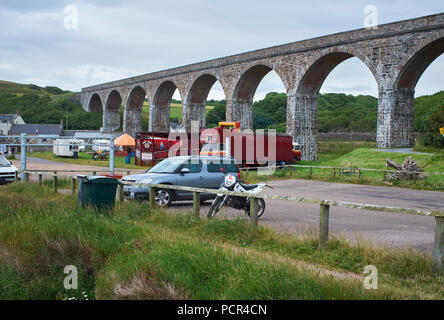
<point x="204" y="157"/>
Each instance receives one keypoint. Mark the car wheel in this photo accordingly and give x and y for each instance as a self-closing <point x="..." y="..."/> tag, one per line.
<point x="163" y="197"/>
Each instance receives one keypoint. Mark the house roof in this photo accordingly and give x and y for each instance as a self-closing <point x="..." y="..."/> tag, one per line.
<point x="95" y="135"/>
<point x="37" y="129"/>
<point x="8" y="117"/>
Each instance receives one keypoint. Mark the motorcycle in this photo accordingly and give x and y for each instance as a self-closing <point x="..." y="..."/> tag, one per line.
<point x="231" y="183"/>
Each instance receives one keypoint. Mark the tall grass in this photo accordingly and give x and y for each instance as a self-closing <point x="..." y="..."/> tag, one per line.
<point x="139" y="253"/>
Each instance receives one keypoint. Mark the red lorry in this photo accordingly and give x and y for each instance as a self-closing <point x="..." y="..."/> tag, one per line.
<point x="251" y="149"/>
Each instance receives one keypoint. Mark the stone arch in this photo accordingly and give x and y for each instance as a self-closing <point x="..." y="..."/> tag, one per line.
<point x="322" y="64"/>
<point x="95" y="103"/>
<point x="111" y="112"/>
<point x="195" y="101"/>
<point x="302" y="107"/>
<point x="240" y="104"/>
<point x="160" y="107"/>
<point x="133" y="111"/>
<point x="414" y="65"/>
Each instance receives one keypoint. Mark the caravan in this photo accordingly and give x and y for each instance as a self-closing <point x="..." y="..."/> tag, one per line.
<point x="67" y="148"/>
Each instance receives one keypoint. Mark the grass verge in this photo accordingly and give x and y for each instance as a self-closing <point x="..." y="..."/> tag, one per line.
<point x="138" y="253"/>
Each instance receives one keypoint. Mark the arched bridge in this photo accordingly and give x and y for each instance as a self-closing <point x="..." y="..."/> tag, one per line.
<point x="397" y="54"/>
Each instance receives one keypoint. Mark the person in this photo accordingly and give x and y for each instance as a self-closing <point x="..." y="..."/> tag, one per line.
<point x="129" y="151"/>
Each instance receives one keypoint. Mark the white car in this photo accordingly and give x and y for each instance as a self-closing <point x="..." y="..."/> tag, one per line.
<point x="7" y="171"/>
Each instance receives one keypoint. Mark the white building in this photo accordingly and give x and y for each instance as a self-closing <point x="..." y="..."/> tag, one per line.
<point x="7" y="121"/>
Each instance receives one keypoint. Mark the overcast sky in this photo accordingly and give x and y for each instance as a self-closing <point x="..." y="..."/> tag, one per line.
<point x="122" y="38"/>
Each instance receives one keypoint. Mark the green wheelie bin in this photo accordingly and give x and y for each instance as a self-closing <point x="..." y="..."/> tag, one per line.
<point x="97" y="191"/>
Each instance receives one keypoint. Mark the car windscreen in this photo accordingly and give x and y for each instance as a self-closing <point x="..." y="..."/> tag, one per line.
<point x="4" y="162"/>
<point x="169" y="165"/>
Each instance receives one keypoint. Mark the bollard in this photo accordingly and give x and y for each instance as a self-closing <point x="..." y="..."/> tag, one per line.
<point x="254" y="208"/>
<point x="152" y="197"/>
<point x="438" y="251"/>
<point x="54" y="184"/>
<point x="196" y="204"/>
<point x="73" y="185"/>
<point x="324" y="226"/>
<point x="40" y="179"/>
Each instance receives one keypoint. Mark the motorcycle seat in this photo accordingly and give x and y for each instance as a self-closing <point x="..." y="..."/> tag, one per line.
<point x="249" y="187"/>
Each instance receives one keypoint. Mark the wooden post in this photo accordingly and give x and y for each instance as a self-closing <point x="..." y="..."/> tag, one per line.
<point x="152" y="197"/>
<point x="415" y="177"/>
<point x="246" y="173"/>
<point x="291" y="171"/>
<point x="334" y="173"/>
<point x="94" y="173"/>
<point x="324" y="226"/>
<point x="16" y="176"/>
<point x="128" y="173"/>
<point x="196" y="204"/>
<point x="121" y="192"/>
<point x="310" y="172"/>
<point x="73" y="185"/>
<point x="254" y="208"/>
<point x="385" y="176"/>
<point x="54" y="184"/>
<point x="438" y="251"/>
<point x="40" y="179"/>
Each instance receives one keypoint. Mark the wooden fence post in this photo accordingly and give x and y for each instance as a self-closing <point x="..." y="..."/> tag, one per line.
<point x="73" y="185"/>
<point x="121" y="192"/>
<point x="310" y="172"/>
<point x="94" y="173"/>
<point x="152" y="197"/>
<point x="55" y="184"/>
<point x="254" y="208"/>
<point x="16" y="176"/>
<point x="324" y="226"/>
<point x="246" y="173"/>
<point x="334" y="173"/>
<point x="385" y="176"/>
<point x="438" y="251"/>
<point x="128" y="173"/>
<point x="196" y="204"/>
<point x="40" y="179"/>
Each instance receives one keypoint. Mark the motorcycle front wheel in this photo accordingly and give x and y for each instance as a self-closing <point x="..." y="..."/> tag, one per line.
<point x="215" y="207"/>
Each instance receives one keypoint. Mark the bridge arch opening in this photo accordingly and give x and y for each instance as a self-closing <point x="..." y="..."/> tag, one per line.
<point x="240" y="106"/>
<point x="112" y="115"/>
<point x="160" y="109"/>
<point x="195" y="106"/>
<point x="95" y="103"/>
<point x="348" y="104"/>
<point x="420" y="76"/>
<point x="133" y="115"/>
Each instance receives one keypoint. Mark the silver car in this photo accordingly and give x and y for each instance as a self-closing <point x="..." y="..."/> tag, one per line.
<point x="189" y="171"/>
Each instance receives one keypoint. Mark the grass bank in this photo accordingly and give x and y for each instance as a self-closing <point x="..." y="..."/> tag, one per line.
<point x="140" y="253"/>
<point x="362" y="155"/>
<point x="86" y="159"/>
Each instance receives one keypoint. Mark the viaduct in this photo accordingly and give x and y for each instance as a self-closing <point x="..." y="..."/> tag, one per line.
<point x="397" y="54"/>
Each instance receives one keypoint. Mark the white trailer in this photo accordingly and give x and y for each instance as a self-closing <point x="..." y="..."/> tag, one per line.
<point x="67" y="148"/>
<point x="101" y="145"/>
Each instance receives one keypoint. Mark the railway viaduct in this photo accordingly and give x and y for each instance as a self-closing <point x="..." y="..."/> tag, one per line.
<point x="397" y="54"/>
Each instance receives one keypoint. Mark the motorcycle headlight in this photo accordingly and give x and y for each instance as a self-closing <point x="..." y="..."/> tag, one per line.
<point x="230" y="180"/>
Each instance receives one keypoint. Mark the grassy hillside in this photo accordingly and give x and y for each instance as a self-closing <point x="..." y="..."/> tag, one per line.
<point x="145" y="253"/>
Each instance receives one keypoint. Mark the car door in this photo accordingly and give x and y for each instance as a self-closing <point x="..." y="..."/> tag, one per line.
<point x="193" y="178"/>
<point x="214" y="175"/>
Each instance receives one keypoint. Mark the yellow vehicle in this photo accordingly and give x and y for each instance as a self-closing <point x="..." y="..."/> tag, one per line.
<point x="229" y="125"/>
<point x="442" y="131"/>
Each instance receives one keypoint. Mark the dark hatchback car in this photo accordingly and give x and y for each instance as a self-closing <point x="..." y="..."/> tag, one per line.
<point x="189" y="171"/>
